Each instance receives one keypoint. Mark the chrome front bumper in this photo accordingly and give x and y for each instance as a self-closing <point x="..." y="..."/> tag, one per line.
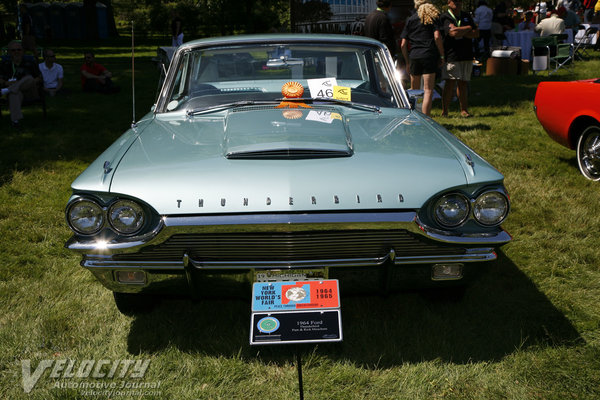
<point x="171" y="253"/>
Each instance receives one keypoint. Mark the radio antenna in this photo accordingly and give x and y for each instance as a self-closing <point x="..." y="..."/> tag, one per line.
<point x="133" y="124"/>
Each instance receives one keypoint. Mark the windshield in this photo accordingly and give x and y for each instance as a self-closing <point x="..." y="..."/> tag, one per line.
<point x="226" y="75"/>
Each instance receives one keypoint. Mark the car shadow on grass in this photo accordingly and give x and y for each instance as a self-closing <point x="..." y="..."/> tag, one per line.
<point x="466" y="127"/>
<point x="498" y="314"/>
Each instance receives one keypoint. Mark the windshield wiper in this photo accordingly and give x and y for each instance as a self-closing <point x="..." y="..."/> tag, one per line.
<point x="221" y="107"/>
<point x="360" y="106"/>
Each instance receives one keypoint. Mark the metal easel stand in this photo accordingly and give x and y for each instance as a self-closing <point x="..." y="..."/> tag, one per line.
<point x="299" y="368"/>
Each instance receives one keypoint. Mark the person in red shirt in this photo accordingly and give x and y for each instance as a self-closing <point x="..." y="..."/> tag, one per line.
<point x="94" y="77"/>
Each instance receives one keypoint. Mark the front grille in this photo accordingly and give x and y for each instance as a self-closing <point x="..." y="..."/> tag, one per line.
<point x="295" y="246"/>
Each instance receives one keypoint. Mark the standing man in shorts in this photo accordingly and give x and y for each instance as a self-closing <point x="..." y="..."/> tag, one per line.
<point x="459" y="29"/>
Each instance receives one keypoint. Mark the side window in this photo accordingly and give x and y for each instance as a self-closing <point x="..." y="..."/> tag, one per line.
<point x="179" y="86"/>
<point x="382" y="78"/>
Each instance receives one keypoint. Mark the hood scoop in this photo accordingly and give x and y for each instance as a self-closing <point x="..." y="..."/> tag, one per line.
<point x="272" y="134"/>
<point x="288" y="154"/>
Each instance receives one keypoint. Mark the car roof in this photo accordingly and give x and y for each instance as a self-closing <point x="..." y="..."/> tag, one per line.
<point x="282" y="37"/>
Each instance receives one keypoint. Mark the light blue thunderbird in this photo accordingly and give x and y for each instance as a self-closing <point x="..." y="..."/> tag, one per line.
<point x="283" y="157"/>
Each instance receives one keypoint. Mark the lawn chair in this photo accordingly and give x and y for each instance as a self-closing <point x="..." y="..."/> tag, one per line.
<point x="563" y="57"/>
<point x="546" y="50"/>
<point x="585" y="42"/>
<point x="541" y="48"/>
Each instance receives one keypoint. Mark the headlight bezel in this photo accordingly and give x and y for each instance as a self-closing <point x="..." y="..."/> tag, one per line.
<point x="447" y="197"/>
<point x="501" y="194"/>
<point x="132" y="205"/>
<point x="107" y="227"/>
<point x="473" y="218"/>
<point x="93" y="203"/>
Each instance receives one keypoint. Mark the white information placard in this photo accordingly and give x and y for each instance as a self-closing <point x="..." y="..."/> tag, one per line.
<point x="321" y="88"/>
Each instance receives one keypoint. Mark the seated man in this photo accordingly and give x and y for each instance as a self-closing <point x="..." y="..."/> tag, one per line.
<point x="52" y="73"/>
<point x="551" y="26"/>
<point x="94" y="77"/>
<point x="18" y="79"/>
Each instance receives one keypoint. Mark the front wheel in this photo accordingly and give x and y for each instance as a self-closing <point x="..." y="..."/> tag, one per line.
<point x="588" y="152"/>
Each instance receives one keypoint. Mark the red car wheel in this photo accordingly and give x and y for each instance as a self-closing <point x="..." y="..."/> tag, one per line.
<point x="588" y="152"/>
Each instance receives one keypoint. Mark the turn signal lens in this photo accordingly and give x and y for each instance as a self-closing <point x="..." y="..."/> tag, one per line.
<point x="132" y="277"/>
<point x="446" y="272"/>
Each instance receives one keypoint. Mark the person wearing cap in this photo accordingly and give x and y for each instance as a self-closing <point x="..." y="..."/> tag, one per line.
<point x="459" y="29"/>
<point x="18" y="81"/>
<point x="571" y="19"/>
<point x="422" y="32"/>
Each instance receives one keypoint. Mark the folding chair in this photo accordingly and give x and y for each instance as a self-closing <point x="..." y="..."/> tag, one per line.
<point x="563" y="57"/>
<point x="541" y="50"/>
<point x="585" y="42"/>
<point x="560" y="37"/>
<point x="546" y="50"/>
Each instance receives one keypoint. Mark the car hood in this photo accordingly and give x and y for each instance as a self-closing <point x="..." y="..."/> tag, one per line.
<point x="271" y="160"/>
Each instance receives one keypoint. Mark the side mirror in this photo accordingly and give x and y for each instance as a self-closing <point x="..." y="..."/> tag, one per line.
<point x="415" y="96"/>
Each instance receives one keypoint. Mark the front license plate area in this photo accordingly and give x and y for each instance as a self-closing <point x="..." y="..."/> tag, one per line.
<point x="291" y="275"/>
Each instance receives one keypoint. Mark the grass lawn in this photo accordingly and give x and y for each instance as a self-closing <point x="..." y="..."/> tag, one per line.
<point x="529" y="328"/>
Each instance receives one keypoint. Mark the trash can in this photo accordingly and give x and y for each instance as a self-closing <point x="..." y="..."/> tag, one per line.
<point x="504" y="60"/>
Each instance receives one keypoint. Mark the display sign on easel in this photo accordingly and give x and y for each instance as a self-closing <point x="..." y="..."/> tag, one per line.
<point x="295" y="312"/>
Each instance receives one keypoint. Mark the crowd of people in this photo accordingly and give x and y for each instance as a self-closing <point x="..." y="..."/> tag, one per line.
<point x="449" y="43"/>
<point x="24" y="78"/>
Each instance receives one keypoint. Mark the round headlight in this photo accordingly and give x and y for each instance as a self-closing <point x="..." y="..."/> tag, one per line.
<point x="126" y="217"/>
<point x="451" y="210"/>
<point x="85" y="217"/>
<point x="490" y="208"/>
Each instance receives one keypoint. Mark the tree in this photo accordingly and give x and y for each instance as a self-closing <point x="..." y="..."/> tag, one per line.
<point x="312" y="11"/>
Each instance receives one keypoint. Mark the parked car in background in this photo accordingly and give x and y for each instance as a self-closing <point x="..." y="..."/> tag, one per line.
<point x="570" y="114"/>
<point x="283" y="157"/>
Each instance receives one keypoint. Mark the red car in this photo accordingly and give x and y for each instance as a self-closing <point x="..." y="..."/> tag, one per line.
<point x="570" y="113"/>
